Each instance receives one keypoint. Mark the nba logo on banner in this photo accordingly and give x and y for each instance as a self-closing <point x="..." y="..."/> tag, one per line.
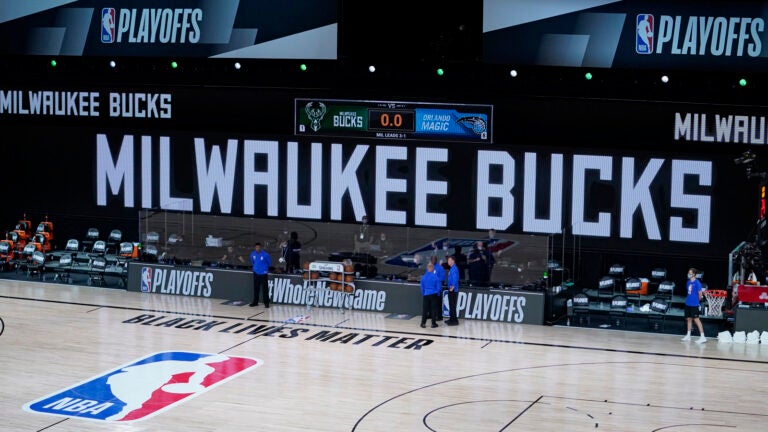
<point x="146" y="279"/>
<point x="108" y="25"/>
<point x="644" y="34"/>
<point x="145" y="387"/>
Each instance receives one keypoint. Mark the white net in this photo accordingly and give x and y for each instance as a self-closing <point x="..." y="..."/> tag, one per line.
<point x="715" y="300"/>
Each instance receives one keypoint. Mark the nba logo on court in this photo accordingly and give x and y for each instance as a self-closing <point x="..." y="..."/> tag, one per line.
<point x="108" y="25"/>
<point x="145" y="387"/>
<point x="644" y="34"/>
<point x="146" y="279"/>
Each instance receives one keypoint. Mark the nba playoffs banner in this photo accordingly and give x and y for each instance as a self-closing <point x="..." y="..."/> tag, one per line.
<point x="190" y="281"/>
<point x="627" y="34"/>
<point x="305" y="29"/>
<point x="371" y="295"/>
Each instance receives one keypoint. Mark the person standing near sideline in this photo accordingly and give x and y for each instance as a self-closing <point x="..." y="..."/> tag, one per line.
<point x="692" y="305"/>
<point x="461" y="261"/>
<point x="261" y="262"/>
<point x="438" y="269"/>
<point x="453" y="291"/>
<point x="430" y="293"/>
<point x="489" y="260"/>
<point x="293" y="253"/>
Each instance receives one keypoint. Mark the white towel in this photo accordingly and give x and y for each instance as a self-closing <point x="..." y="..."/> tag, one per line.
<point x="764" y="337"/>
<point x="740" y="337"/>
<point x="753" y="337"/>
<point x="725" y="337"/>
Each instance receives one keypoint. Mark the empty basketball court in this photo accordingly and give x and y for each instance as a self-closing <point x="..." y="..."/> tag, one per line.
<point x="334" y="370"/>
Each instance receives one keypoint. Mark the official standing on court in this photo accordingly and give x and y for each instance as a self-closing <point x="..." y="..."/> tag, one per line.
<point x="261" y="262"/>
<point x="692" y="305"/>
<point x="431" y="287"/>
<point x="453" y="291"/>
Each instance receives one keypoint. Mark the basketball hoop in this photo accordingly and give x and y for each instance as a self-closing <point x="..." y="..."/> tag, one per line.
<point x="715" y="300"/>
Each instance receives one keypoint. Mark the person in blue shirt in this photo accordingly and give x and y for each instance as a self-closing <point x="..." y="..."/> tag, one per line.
<point x="439" y="270"/>
<point x="440" y="273"/>
<point x="453" y="291"/>
<point x="261" y="263"/>
<point x="692" y="304"/>
<point x="430" y="293"/>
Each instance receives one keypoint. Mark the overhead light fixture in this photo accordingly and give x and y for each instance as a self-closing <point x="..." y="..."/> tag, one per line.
<point x="664" y="79"/>
<point x="371" y="68"/>
<point x="513" y="73"/>
<point x="238" y="65"/>
<point x="112" y="63"/>
<point x="588" y="76"/>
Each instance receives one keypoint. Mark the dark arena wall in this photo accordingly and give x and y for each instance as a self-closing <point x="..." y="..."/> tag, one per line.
<point x="632" y="182"/>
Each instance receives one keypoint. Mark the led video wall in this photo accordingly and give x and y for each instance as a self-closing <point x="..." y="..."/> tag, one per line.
<point x="624" y="177"/>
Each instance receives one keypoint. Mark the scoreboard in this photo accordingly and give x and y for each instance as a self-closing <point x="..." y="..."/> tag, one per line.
<point x="394" y="120"/>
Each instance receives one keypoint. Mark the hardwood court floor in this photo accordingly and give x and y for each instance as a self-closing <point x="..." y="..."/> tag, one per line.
<point x="376" y="374"/>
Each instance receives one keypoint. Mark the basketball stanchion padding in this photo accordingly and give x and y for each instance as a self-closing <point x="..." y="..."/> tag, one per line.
<point x="715" y="300"/>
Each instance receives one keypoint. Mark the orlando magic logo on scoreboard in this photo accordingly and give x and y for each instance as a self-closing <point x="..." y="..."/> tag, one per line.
<point x="108" y="25"/>
<point x="644" y="34"/>
<point x="144" y="387"/>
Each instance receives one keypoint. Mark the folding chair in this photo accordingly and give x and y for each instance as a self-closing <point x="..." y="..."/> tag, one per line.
<point x="99" y="249"/>
<point x="22" y="264"/>
<point x="657" y="314"/>
<point x="658" y="275"/>
<point x="618" y="311"/>
<point x="96" y="271"/>
<point x="580" y="307"/>
<point x="72" y="247"/>
<point x="128" y="250"/>
<point x="36" y="265"/>
<point x="150" y="253"/>
<point x="666" y="290"/>
<point x="63" y="271"/>
<point x="617" y="272"/>
<point x="45" y="228"/>
<point x="152" y="237"/>
<point x="24" y="225"/>
<point x="7" y="255"/>
<point x="174" y="239"/>
<point x="605" y="287"/>
<point x="634" y="290"/>
<point x="91" y="237"/>
<point x="16" y="239"/>
<point x="41" y="242"/>
<point x="114" y="239"/>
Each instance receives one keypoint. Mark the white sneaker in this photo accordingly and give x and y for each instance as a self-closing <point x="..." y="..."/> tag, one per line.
<point x="701" y="340"/>
<point x="687" y="337"/>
